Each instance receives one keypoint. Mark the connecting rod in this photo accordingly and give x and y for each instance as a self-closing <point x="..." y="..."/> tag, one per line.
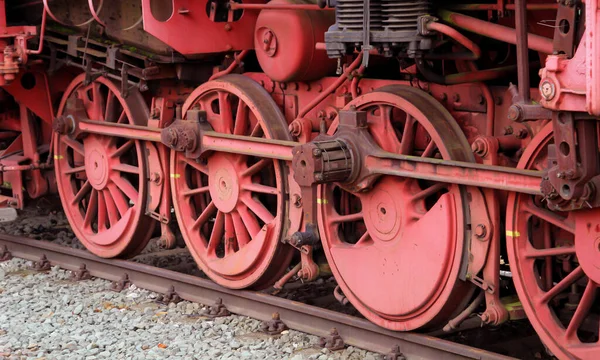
<point x="325" y="160"/>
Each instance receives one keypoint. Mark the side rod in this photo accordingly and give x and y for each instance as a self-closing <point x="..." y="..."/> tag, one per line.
<point x="380" y="163"/>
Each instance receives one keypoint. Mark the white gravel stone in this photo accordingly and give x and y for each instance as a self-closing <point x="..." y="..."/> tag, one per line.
<point x="48" y="316"/>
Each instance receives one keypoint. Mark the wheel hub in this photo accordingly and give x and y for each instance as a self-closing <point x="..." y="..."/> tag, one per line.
<point x="223" y="182"/>
<point x="96" y="163"/>
<point x="382" y="207"/>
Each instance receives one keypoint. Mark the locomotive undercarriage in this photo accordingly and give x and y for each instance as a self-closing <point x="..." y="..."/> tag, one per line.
<point x="400" y="177"/>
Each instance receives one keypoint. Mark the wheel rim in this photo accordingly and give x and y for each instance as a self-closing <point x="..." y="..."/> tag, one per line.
<point x="399" y="282"/>
<point x="231" y="207"/>
<point x="554" y="258"/>
<point x="101" y="179"/>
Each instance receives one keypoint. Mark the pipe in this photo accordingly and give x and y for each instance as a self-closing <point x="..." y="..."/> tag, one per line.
<point x="495" y="31"/>
<point x="522" y="50"/>
<point x="42" y="34"/>
<point x="236" y="61"/>
<point x="332" y="88"/>
<point x="495" y="7"/>
<point x="339" y="296"/>
<point x="456" y="36"/>
<point x="281" y="282"/>
<point x="354" y="85"/>
<point x="454" y="323"/>
<point x="38" y="166"/>
<point x="463" y="77"/>
<point x="268" y="6"/>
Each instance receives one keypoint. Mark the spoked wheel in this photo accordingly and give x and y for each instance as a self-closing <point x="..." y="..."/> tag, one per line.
<point x="555" y="261"/>
<point x="231" y="208"/>
<point x="396" y="249"/>
<point x="102" y="179"/>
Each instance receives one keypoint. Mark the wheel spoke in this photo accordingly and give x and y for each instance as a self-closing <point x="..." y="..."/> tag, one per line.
<point x="123" y="118"/>
<point x="533" y="253"/>
<point x="434" y="189"/>
<point x="200" y="167"/>
<point x="119" y="199"/>
<point x="549" y="216"/>
<point x="229" y="235"/>
<point x="429" y="150"/>
<point x="73" y="144"/>
<point x="583" y="308"/>
<point x="208" y="211"/>
<point x="192" y="192"/>
<point x="126" y="168"/>
<point x="260" y="188"/>
<point x="111" y="207"/>
<point x="256" y="168"/>
<point x="257" y="131"/>
<point x="562" y="285"/>
<point x="102" y="217"/>
<point x="216" y="236"/>
<point x="258" y="209"/>
<point x="85" y="189"/>
<point x="75" y="170"/>
<point x="225" y="112"/>
<point x="346" y="218"/>
<point x="249" y="220"/>
<point x="92" y="208"/>
<point x="408" y="136"/>
<point x="97" y="107"/>
<point x="241" y="118"/>
<point x="110" y="107"/>
<point x="241" y="232"/>
<point x="364" y="239"/>
<point x="121" y="150"/>
<point x="125" y="186"/>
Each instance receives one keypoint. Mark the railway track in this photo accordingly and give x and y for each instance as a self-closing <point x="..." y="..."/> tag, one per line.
<point x="354" y="331"/>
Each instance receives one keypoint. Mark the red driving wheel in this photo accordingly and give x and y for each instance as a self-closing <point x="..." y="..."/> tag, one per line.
<point x="102" y="179"/>
<point x="555" y="261"/>
<point x="231" y="208"/>
<point x="396" y="250"/>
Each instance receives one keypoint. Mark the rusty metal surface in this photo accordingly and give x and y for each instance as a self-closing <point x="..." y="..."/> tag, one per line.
<point x="298" y="316"/>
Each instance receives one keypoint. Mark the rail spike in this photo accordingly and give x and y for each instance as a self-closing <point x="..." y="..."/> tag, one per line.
<point x="216" y="310"/>
<point x="274" y="326"/>
<point x="169" y="297"/>
<point x="81" y="274"/>
<point x="5" y="255"/>
<point x="121" y="284"/>
<point x="333" y="341"/>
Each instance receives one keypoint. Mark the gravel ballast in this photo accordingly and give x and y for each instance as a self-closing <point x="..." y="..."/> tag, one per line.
<point x="47" y="315"/>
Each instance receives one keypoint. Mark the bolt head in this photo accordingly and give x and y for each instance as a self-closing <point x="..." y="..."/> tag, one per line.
<point x="480" y="230"/>
<point x="547" y="89"/>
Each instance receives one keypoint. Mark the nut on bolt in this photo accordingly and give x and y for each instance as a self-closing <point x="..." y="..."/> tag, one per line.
<point x="547" y="89"/>
<point x="63" y="124"/>
<point x="480" y="231"/>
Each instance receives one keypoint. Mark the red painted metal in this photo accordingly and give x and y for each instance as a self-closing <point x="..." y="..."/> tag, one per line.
<point x="458" y="37"/>
<point x="592" y="46"/>
<point x="272" y="5"/>
<point x="409" y="238"/>
<point x="102" y="180"/>
<point x="394" y="227"/>
<point x="554" y="255"/>
<point x="199" y="18"/>
<point x="285" y="42"/>
<point x="244" y="194"/>
<point x="495" y="31"/>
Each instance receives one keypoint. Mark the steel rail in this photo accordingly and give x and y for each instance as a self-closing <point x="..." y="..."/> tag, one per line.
<point x="355" y="331"/>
